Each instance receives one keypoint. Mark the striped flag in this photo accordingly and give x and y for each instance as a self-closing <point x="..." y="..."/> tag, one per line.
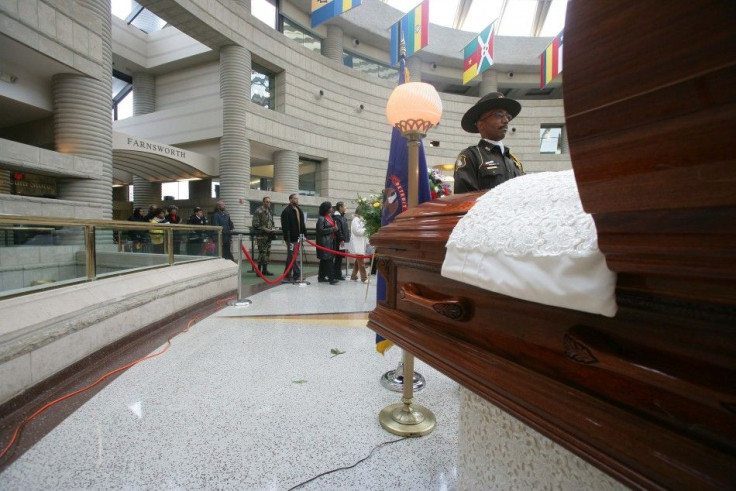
<point x="551" y="65"/>
<point x="396" y="190"/>
<point x="323" y="10"/>
<point x="413" y="28"/>
<point x="478" y="54"/>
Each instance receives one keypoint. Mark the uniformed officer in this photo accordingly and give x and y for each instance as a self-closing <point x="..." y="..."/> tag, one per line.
<point x="489" y="163"/>
<point x="263" y="228"/>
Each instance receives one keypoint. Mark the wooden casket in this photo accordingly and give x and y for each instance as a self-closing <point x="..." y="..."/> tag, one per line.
<point x="649" y="395"/>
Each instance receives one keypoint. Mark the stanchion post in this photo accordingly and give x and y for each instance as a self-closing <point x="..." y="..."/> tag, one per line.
<point x="240" y="301"/>
<point x="302" y="281"/>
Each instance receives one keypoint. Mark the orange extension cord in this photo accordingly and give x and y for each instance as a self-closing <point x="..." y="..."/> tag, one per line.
<point x="30" y="418"/>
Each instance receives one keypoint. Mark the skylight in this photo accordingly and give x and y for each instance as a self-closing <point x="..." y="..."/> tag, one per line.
<point x="515" y="17"/>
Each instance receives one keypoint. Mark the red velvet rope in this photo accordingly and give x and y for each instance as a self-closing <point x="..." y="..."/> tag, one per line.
<point x="283" y="275"/>
<point x="355" y="256"/>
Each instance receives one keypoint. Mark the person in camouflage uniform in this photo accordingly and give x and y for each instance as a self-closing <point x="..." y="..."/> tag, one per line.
<point x="263" y="228"/>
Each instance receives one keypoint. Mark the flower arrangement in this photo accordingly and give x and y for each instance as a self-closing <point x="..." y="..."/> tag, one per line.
<point x="370" y="209"/>
<point x="437" y="188"/>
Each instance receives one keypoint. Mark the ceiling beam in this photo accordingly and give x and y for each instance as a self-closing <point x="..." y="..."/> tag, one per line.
<point x="540" y="16"/>
<point x="461" y="14"/>
<point x="500" y="16"/>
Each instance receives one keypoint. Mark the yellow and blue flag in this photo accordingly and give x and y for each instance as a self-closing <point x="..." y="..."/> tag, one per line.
<point x="412" y="29"/>
<point x="396" y="190"/>
<point x="324" y="10"/>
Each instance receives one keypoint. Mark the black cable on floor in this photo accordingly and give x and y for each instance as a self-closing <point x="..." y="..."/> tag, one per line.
<point x="349" y="467"/>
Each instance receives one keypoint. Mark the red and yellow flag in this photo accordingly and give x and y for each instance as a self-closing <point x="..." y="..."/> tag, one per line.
<point x="551" y="64"/>
<point x="478" y="54"/>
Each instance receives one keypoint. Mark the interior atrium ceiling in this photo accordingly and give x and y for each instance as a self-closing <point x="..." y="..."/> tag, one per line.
<point x="513" y="17"/>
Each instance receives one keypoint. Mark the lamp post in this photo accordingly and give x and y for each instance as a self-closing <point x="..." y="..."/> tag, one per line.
<point x="413" y="108"/>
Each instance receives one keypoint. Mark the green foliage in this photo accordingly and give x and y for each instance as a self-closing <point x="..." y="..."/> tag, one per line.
<point x="370" y="208"/>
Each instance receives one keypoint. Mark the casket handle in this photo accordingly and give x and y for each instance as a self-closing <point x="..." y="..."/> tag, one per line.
<point x="451" y="307"/>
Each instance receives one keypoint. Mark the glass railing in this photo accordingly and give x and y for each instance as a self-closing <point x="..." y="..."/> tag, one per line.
<point x="41" y="253"/>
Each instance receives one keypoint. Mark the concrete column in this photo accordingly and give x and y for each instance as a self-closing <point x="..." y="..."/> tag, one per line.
<point x="83" y="122"/>
<point x="488" y="82"/>
<point x="235" y="69"/>
<point x="144" y="102"/>
<point x="286" y="172"/>
<point x="145" y="193"/>
<point x="414" y="64"/>
<point x="144" y="93"/>
<point x="333" y="45"/>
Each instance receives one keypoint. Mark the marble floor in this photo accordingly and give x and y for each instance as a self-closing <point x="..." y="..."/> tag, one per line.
<point x="283" y="394"/>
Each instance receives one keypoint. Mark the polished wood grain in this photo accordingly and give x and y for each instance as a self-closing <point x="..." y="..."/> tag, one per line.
<point x="651" y="119"/>
<point x="648" y="396"/>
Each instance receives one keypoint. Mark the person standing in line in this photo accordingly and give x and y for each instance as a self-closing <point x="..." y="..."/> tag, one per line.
<point x="196" y="240"/>
<point x="343" y="237"/>
<point x="152" y="212"/>
<point x="263" y="228"/>
<point x="490" y="162"/>
<point x="327" y="237"/>
<point x="357" y="246"/>
<point x="293" y="226"/>
<point x="138" y="238"/>
<point x="158" y="235"/>
<point x="172" y="216"/>
<point x="222" y="218"/>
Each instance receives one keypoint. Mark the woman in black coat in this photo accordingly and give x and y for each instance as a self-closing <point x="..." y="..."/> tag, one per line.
<point x="327" y="238"/>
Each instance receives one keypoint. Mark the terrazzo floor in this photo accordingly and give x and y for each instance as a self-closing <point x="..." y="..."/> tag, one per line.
<point x="254" y="398"/>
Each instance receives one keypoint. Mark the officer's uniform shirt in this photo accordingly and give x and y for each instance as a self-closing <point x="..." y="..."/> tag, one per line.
<point x="485" y="166"/>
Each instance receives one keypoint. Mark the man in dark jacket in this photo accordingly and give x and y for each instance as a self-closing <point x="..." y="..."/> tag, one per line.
<point x="222" y="219"/>
<point x="293" y="226"/>
<point x="343" y="237"/>
<point x="196" y="239"/>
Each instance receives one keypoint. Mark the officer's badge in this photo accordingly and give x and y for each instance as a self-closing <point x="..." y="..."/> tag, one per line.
<point x="517" y="162"/>
<point x="460" y="162"/>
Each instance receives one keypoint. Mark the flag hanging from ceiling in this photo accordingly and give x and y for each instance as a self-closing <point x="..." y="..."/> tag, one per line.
<point x="478" y="54"/>
<point x="323" y="10"/>
<point x="413" y="28"/>
<point x="551" y="64"/>
<point x="396" y="190"/>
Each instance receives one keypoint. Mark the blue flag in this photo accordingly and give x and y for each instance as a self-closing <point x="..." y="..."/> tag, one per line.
<point x="396" y="191"/>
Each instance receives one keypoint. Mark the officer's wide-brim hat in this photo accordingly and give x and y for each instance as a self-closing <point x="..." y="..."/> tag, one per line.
<point x="494" y="100"/>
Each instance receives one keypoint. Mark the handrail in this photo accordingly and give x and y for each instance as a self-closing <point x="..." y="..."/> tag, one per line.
<point x="90" y="228"/>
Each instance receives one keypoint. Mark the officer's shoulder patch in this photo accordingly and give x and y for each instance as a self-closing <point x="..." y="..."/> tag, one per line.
<point x="460" y="162"/>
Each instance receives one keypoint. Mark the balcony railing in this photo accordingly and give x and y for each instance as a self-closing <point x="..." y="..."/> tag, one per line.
<point x="41" y="253"/>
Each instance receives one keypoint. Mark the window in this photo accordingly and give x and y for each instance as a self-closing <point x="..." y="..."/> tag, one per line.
<point x="122" y="95"/>
<point x="174" y="190"/>
<point x="265" y="11"/>
<point x="308" y="176"/>
<point x="368" y="66"/>
<point x="550" y="139"/>
<point x="261" y="177"/>
<point x="135" y="15"/>
<point x="301" y="36"/>
<point x="262" y="86"/>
